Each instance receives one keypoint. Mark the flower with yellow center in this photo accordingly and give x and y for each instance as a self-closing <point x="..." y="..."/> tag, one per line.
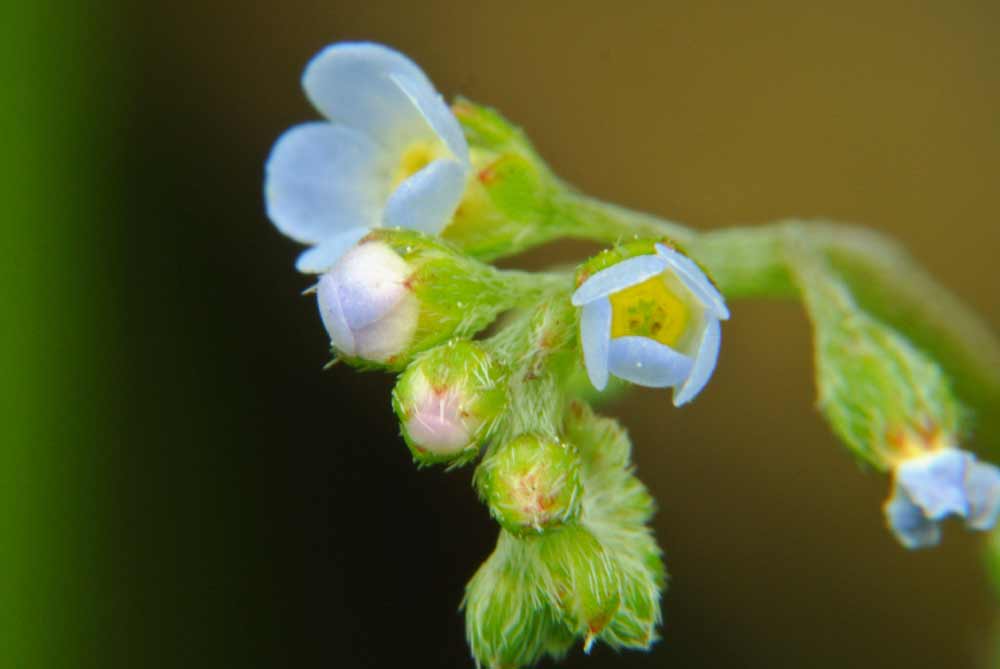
<point x="392" y="154"/>
<point x="652" y="320"/>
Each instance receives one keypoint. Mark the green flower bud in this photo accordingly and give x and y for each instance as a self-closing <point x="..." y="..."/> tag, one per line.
<point x="616" y="508"/>
<point x="509" y="621"/>
<point x="448" y="401"/>
<point x="531" y="483"/>
<point x="583" y="580"/>
<point x="399" y="292"/>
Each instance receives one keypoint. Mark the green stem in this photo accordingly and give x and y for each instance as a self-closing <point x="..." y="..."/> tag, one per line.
<point x="582" y="217"/>
<point x="528" y="288"/>
<point x="752" y="262"/>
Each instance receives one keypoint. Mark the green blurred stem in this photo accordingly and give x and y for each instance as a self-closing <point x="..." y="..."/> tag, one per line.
<point x="752" y="262"/>
<point x="529" y="288"/>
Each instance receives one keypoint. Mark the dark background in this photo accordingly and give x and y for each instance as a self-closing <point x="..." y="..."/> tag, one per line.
<point x="223" y="502"/>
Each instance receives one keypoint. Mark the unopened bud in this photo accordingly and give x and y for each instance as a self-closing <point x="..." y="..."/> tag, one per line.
<point x="509" y="617"/>
<point x="585" y="581"/>
<point x="531" y="483"/>
<point x="400" y="292"/>
<point x="366" y="306"/>
<point x="448" y="401"/>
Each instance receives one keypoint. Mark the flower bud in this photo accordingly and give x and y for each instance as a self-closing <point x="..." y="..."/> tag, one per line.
<point x="448" y="401"/>
<point x="509" y="620"/>
<point x="367" y="308"/>
<point x="399" y="292"/>
<point x="583" y="579"/>
<point x="531" y="483"/>
<point x="616" y="507"/>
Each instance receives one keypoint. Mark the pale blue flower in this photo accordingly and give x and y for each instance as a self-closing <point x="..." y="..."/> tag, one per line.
<point x="930" y="487"/>
<point x="391" y="154"/>
<point x="652" y="320"/>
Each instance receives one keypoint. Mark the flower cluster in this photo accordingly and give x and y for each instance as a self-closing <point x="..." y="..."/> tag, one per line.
<point x="404" y="202"/>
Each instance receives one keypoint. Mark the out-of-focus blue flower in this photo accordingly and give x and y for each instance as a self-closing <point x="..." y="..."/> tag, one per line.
<point x="391" y="153"/>
<point x="652" y="320"/>
<point x="945" y="482"/>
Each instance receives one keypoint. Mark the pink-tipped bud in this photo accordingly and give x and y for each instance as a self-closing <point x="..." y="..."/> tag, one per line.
<point x="447" y="402"/>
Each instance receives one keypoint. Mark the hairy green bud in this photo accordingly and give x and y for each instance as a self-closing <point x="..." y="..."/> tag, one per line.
<point x="509" y="619"/>
<point x="616" y="510"/>
<point x="448" y="402"/>
<point x="531" y="483"/>
<point x="583" y="580"/>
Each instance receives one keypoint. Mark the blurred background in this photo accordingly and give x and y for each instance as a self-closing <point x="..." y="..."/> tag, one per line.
<point x="185" y="487"/>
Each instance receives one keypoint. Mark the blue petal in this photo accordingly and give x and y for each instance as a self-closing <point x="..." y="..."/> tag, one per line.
<point x="647" y="362"/>
<point x="321" y="258"/>
<point x="907" y="521"/>
<point x="982" y="490"/>
<point x="357" y="84"/>
<point x="437" y="114"/>
<point x="695" y="281"/>
<point x="595" y="333"/>
<point x="704" y="364"/>
<point x="427" y="200"/>
<point x="321" y="179"/>
<point x="332" y="314"/>
<point x="936" y="482"/>
<point x="617" y="277"/>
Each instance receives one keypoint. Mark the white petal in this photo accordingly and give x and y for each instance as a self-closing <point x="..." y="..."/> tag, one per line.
<point x="321" y="179"/>
<point x="438" y="423"/>
<point x="647" y="362"/>
<point x="909" y="524"/>
<point x="617" y="277"/>
<point x="354" y="83"/>
<point x="695" y="281"/>
<point x="704" y="364"/>
<point x="370" y="282"/>
<point x="332" y="315"/>
<point x="427" y="200"/>
<point x="391" y="334"/>
<point x="437" y="114"/>
<point x="321" y="258"/>
<point x="595" y="335"/>
<point x="936" y="482"/>
<point x="982" y="490"/>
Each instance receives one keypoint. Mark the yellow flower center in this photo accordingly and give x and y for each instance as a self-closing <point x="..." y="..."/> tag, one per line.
<point x="649" y="309"/>
<point x="416" y="157"/>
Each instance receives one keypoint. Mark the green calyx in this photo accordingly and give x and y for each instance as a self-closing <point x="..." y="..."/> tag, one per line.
<point x="881" y="394"/>
<point x="507" y="204"/>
